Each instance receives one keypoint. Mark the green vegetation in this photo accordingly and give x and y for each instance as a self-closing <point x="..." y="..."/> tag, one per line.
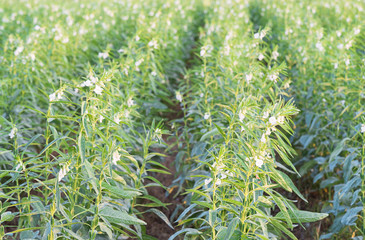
<point x="259" y="103"/>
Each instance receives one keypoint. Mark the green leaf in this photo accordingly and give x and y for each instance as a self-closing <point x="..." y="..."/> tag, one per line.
<point x="6" y="217"/>
<point x="73" y="234"/>
<point x="204" y="204"/>
<point x="119" y="217"/>
<point x="185" y="212"/>
<point x="120" y="192"/>
<point x="90" y="173"/>
<point x="189" y="231"/>
<point x="299" y="216"/>
<point x="161" y="215"/>
<point x="209" y="134"/>
<point x="231" y="228"/>
<point x="82" y="147"/>
<point x="220" y="131"/>
<point x="106" y="229"/>
<point x="291" y="185"/>
<point x="212" y="217"/>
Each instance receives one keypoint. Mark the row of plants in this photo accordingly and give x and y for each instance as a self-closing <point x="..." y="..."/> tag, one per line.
<point x="236" y="155"/>
<point x="78" y="116"/>
<point x="323" y="45"/>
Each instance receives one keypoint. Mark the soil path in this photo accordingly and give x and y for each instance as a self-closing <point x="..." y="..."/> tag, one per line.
<point x="156" y="227"/>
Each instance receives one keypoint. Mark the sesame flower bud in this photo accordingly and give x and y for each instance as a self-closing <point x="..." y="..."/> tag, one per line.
<point x="13" y="132"/>
<point x="179" y="96"/>
<point x="207" y="181"/>
<point x="263" y="138"/>
<point x="261" y="56"/>
<point x="206" y="115"/>
<point x="275" y="55"/>
<point x="242" y="114"/>
<point x="116" y="157"/>
<point x="117" y="118"/>
<point x="249" y="77"/>
<point x="265" y="115"/>
<point x="130" y="102"/>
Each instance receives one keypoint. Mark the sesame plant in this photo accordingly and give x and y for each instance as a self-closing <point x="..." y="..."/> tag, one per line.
<point x="239" y="128"/>
<point x="326" y="64"/>
<point x="84" y="176"/>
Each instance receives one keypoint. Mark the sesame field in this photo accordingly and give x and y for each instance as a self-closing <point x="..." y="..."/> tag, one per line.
<point x="182" y="119"/>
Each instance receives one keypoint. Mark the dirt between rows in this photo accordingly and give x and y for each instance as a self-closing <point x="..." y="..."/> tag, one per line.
<point x="156" y="227"/>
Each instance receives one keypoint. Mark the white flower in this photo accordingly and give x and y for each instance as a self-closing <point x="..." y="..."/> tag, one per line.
<point x="263" y="138"/>
<point x="87" y="83"/>
<point x="265" y="115"/>
<point x="348" y="45"/>
<point x="103" y="55"/>
<point x="158" y="133"/>
<point x="338" y="33"/>
<point x="18" y="50"/>
<point x="275" y="55"/>
<point x="281" y="119"/>
<point x="55" y="96"/>
<point x="273" y="78"/>
<point x="335" y="65"/>
<point x="259" y="162"/>
<point x="319" y="46"/>
<point x="137" y="38"/>
<point x="218" y="182"/>
<point x="139" y="62"/>
<point x="357" y="31"/>
<point x="205" y="51"/>
<point x="65" y="40"/>
<point x="340" y="46"/>
<point x="262" y="34"/>
<point x="13" y="132"/>
<point x="272" y="120"/>
<point x="52" y="97"/>
<point x="153" y="73"/>
<point x="206" y="115"/>
<point x="261" y="56"/>
<point x="347" y="62"/>
<point x="130" y="102"/>
<point x="98" y="89"/>
<point x="64" y="170"/>
<point x="116" y="157"/>
<point x="268" y="132"/>
<point x="241" y="115"/>
<point x="362" y="128"/>
<point x="207" y="181"/>
<point x="93" y="79"/>
<point x="117" y="119"/>
<point x="249" y="77"/>
<point x="202" y="52"/>
<point x="256" y="35"/>
<point x="179" y="96"/>
<point x="201" y="95"/>
<point x="153" y="44"/>
<point x="101" y="118"/>
<point x="223" y="176"/>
